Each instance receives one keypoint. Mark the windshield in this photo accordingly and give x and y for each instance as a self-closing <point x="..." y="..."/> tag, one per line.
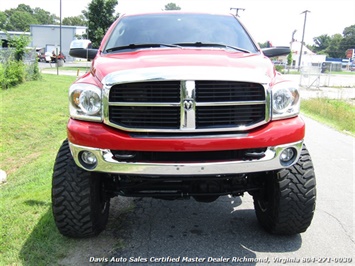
<point x="175" y="28"/>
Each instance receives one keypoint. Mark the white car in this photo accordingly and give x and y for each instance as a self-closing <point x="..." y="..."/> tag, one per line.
<point x="48" y="56"/>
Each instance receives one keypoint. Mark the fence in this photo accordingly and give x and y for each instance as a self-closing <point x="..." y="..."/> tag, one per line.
<point x="13" y="73"/>
<point x="320" y="75"/>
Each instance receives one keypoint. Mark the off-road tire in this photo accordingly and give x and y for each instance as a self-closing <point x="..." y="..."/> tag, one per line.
<point x="287" y="205"/>
<point x="80" y="207"/>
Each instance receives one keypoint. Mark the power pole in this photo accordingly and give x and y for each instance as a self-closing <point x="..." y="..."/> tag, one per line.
<point x="302" y="43"/>
<point x="237" y="10"/>
<point x="292" y="40"/>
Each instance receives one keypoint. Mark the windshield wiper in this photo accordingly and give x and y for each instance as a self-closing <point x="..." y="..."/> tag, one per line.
<point x="202" y="44"/>
<point x="133" y="46"/>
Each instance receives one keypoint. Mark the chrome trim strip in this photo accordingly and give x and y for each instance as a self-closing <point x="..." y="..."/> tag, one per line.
<point x="106" y="163"/>
<point x="192" y="136"/>
<point x="187" y="105"/>
<point x="255" y="75"/>
<point x="182" y="101"/>
<point x="142" y="104"/>
<point x="230" y="103"/>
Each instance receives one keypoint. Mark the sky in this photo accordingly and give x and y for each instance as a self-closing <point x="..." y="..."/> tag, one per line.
<point x="266" y="20"/>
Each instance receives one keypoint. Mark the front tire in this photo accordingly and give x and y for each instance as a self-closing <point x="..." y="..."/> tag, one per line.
<point x="287" y="204"/>
<point x="80" y="207"/>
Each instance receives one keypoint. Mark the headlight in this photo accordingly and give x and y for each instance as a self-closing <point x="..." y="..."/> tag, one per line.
<point x="285" y="100"/>
<point x="85" y="102"/>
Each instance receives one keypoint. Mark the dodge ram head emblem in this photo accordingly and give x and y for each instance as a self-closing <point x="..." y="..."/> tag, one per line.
<point x="188" y="104"/>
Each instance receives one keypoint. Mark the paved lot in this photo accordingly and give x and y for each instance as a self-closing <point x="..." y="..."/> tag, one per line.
<point x="155" y="230"/>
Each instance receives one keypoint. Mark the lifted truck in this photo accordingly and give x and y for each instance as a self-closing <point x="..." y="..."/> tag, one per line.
<point x="179" y="105"/>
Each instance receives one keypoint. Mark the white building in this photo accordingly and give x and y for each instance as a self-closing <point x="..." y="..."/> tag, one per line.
<point x="48" y="37"/>
<point x="308" y="57"/>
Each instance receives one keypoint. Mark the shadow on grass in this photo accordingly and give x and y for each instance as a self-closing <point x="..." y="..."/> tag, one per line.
<point x="44" y="245"/>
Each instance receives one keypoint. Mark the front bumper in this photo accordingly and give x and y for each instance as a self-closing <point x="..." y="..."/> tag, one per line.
<point x="100" y="140"/>
<point x="105" y="163"/>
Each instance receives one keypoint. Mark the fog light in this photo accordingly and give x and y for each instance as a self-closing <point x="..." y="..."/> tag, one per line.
<point x="88" y="159"/>
<point x="287" y="156"/>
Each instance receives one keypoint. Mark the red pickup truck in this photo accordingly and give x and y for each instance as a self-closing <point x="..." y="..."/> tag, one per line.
<point x="179" y="105"/>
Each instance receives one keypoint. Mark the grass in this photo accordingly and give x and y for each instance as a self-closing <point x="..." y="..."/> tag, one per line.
<point x="81" y="68"/>
<point x="336" y="113"/>
<point x="33" y="125"/>
<point x="343" y="72"/>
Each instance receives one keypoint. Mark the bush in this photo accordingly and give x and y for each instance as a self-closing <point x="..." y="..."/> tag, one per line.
<point x="13" y="74"/>
<point x="32" y="71"/>
<point x="13" y="69"/>
<point x="2" y="75"/>
<point x="279" y="68"/>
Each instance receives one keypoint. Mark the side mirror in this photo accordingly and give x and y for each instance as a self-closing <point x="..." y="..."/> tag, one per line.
<point x="82" y="49"/>
<point x="88" y="54"/>
<point x="276" y="51"/>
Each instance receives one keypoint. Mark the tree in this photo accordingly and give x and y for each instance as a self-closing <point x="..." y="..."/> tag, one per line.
<point x="24" y="8"/>
<point x="289" y="59"/>
<point x="19" y="43"/>
<point x="335" y="45"/>
<point x="75" y="21"/>
<point x="44" y="17"/>
<point x="172" y="6"/>
<point x="3" y="19"/>
<point x="320" y="43"/>
<point x="333" y="49"/>
<point x="20" y="18"/>
<point x="19" y="21"/>
<point x="100" y="16"/>
<point x="348" y="41"/>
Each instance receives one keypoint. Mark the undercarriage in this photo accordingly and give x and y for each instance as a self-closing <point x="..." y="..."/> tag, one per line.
<point x="201" y="188"/>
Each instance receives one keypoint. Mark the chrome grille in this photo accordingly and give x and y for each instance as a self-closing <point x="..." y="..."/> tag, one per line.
<point x="222" y="91"/>
<point x="146" y="116"/>
<point x="187" y="106"/>
<point x="229" y="116"/>
<point x="154" y="92"/>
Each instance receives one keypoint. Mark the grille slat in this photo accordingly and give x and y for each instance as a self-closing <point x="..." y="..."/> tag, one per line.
<point x="242" y="104"/>
<point x="146" y="116"/>
<point x="222" y="91"/>
<point x="163" y="91"/>
<point x="229" y="116"/>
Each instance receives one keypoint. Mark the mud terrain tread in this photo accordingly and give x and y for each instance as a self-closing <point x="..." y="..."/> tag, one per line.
<point x="74" y="198"/>
<point x="292" y="203"/>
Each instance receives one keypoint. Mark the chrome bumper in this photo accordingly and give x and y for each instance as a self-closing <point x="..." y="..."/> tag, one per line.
<point x="106" y="163"/>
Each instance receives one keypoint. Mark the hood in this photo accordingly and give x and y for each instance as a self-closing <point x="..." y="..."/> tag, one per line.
<point x="182" y="64"/>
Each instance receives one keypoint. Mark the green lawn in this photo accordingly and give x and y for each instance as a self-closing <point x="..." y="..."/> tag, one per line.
<point x="336" y="113"/>
<point x="33" y="125"/>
